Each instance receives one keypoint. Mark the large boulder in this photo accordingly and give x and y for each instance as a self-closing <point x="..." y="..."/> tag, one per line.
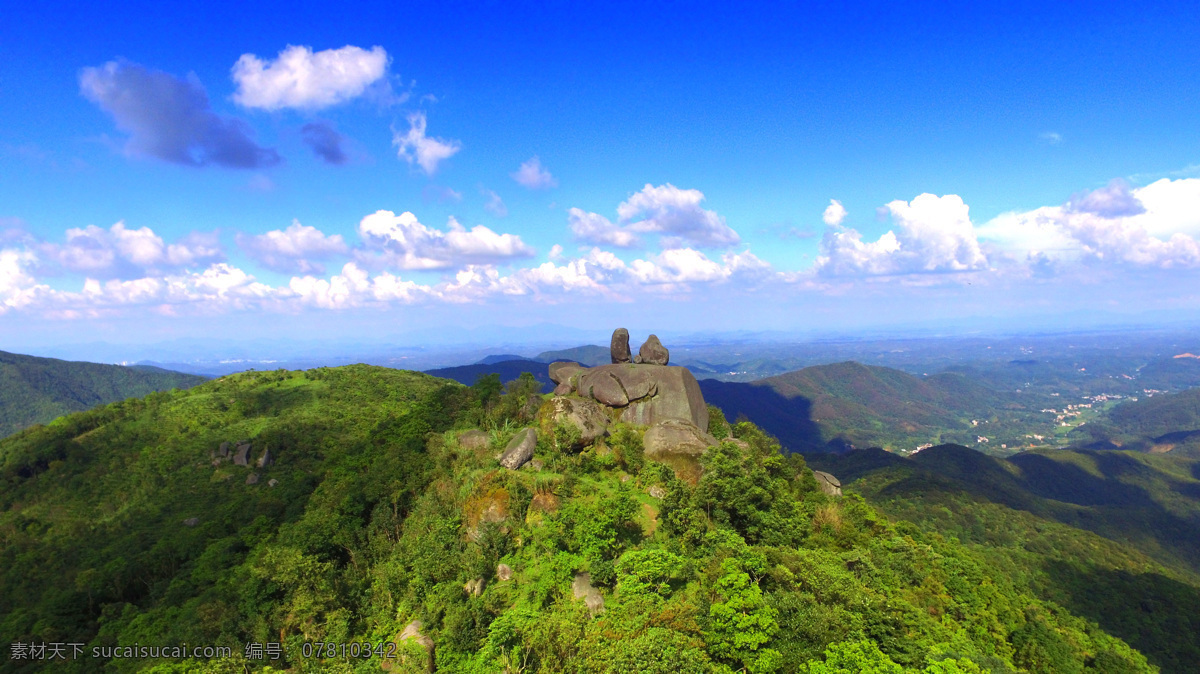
<point x="561" y="371"/>
<point x="584" y="415"/>
<point x="653" y="352"/>
<point x="651" y="393"/>
<point x="474" y="440"/>
<point x="582" y="588"/>
<point x="242" y="457"/>
<point x="679" y="444"/>
<point x="427" y="660"/>
<point x="603" y="385"/>
<point x="520" y="449"/>
<point x="620" y="346"/>
<point x="828" y="483"/>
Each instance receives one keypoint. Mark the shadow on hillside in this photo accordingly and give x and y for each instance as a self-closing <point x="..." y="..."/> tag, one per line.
<point x="1062" y="492"/>
<point x="271" y="401"/>
<point x="1157" y="615"/>
<point x="789" y="419"/>
<point x="1188" y="489"/>
<point x="1063" y="481"/>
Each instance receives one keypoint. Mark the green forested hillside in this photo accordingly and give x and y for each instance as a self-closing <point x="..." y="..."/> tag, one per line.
<point x="35" y="390"/>
<point x="866" y="405"/>
<point x="1166" y="422"/>
<point x="120" y="527"/>
<point x="1110" y="535"/>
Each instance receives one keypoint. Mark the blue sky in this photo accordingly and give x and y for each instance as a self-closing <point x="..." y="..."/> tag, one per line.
<point x="166" y="171"/>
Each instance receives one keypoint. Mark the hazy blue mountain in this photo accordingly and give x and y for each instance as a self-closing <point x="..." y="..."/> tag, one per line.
<point x="500" y="358"/>
<point x="590" y="356"/>
<point x="508" y="371"/>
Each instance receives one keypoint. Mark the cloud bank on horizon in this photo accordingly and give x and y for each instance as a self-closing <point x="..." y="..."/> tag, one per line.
<point x="1095" y="236"/>
<point x="542" y="241"/>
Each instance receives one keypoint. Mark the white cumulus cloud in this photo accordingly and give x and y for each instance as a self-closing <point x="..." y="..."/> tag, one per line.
<point x="296" y="249"/>
<point x="672" y="213"/>
<point x="835" y="213"/>
<point x="931" y="234"/>
<point x="354" y="287"/>
<point x="533" y="175"/>
<point x="123" y="252"/>
<point x="415" y="147"/>
<point x="301" y="78"/>
<point x="18" y="288"/>
<point x="1155" y="226"/>
<point x="676" y="214"/>
<point x="596" y="229"/>
<point x="401" y="241"/>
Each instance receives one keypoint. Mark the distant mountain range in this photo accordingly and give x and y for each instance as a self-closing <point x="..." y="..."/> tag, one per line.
<point x="507" y="369"/>
<point x="37" y="390"/>
<point x="590" y="355"/>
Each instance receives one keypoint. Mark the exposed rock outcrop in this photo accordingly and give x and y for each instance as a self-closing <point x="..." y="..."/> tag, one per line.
<point x="474" y="587"/>
<point x="412" y="632"/>
<point x="474" y="440"/>
<point x="604" y="387"/>
<point x="585" y="416"/>
<point x="646" y="394"/>
<point x="828" y="483"/>
<point x="678" y="444"/>
<point x="562" y="370"/>
<point x="191" y="521"/>
<point x="620" y="346"/>
<point x="252" y="478"/>
<point x="504" y="572"/>
<point x="242" y="456"/>
<point x="519" y="450"/>
<point x="653" y="352"/>
<point x="582" y="588"/>
<point x="265" y="459"/>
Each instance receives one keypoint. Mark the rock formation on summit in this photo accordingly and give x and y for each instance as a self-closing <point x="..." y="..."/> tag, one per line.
<point x="620" y="346"/>
<point x="646" y="392"/>
<point x="653" y="352"/>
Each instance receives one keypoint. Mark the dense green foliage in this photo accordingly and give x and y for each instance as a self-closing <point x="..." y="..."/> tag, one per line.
<point x="1137" y="575"/>
<point x="378" y="515"/>
<point x="37" y="390"/>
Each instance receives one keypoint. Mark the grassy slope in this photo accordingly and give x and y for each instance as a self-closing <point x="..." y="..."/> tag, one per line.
<point x="35" y="390"/>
